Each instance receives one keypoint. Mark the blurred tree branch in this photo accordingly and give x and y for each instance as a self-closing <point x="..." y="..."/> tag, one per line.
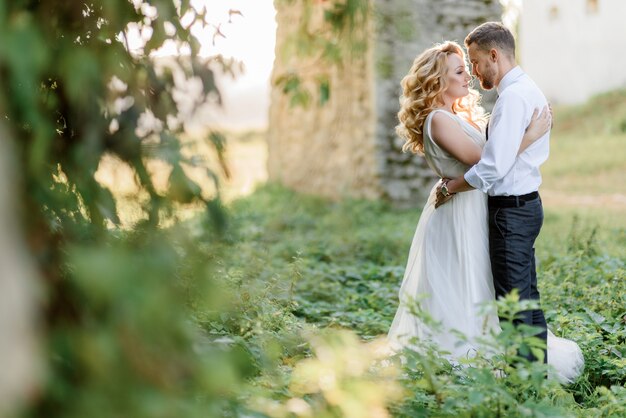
<point x="74" y="88"/>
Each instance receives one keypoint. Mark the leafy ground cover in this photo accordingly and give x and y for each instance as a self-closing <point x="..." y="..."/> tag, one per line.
<point x="300" y="263"/>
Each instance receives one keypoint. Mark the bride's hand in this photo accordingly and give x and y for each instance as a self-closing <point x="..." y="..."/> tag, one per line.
<point x="441" y="199"/>
<point x="540" y="124"/>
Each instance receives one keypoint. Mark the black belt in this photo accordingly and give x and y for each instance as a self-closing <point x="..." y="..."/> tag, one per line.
<point x="512" y="201"/>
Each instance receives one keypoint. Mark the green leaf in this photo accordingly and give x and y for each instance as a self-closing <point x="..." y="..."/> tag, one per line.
<point x="81" y="74"/>
<point x="300" y="97"/>
<point x="106" y="205"/>
<point x="181" y="188"/>
<point x="291" y="83"/>
<point x="324" y="92"/>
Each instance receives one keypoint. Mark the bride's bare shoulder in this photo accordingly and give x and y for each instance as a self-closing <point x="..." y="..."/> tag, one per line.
<point x="442" y="120"/>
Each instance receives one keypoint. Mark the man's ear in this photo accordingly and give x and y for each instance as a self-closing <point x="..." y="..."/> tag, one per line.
<point x="493" y="54"/>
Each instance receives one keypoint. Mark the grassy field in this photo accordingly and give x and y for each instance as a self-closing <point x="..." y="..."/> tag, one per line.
<point x="296" y="261"/>
<point x="584" y="179"/>
<point x="588" y="155"/>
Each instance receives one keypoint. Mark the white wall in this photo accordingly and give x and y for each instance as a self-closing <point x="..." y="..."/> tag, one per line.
<point x="572" y="52"/>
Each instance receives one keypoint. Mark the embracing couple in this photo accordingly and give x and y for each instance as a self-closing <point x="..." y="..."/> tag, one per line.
<point x="475" y="238"/>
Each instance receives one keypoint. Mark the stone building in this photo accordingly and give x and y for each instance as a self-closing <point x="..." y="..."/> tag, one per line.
<point x="573" y="49"/>
<point x="348" y="146"/>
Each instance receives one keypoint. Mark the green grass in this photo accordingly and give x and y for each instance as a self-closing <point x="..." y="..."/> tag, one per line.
<point x="583" y="180"/>
<point x="296" y="263"/>
<point x="587" y="164"/>
<point x="608" y="227"/>
<point x="604" y="114"/>
<point x="588" y="149"/>
<point x="299" y="261"/>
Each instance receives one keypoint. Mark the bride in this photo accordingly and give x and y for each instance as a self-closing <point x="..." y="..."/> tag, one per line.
<point x="448" y="268"/>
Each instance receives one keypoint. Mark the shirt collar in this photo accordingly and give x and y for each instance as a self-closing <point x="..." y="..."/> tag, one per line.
<point x="509" y="78"/>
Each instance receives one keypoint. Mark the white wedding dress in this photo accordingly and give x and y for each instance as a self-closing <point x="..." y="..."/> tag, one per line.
<point x="449" y="271"/>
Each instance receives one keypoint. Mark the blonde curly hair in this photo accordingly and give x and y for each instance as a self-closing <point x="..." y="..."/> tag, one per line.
<point x="422" y="91"/>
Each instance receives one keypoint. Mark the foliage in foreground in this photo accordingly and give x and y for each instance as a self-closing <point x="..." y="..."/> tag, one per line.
<point x="73" y="90"/>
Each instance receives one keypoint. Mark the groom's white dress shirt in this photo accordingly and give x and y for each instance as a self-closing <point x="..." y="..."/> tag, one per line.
<point x="500" y="171"/>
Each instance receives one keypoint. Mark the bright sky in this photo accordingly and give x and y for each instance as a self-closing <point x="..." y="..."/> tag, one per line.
<point x="249" y="37"/>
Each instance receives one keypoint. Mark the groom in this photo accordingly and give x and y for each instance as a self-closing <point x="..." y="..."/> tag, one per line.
<point x="511" y="181"/>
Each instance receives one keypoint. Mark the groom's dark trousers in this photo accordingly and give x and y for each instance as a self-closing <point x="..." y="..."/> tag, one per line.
<point x="514" y="224"/>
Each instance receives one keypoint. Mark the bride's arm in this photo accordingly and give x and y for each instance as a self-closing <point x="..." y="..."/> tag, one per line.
<point x="450" y="136"/>
<point x="540" y="124"/>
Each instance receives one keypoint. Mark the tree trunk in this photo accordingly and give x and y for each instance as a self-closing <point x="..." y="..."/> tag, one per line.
<point x="20" y="359"/>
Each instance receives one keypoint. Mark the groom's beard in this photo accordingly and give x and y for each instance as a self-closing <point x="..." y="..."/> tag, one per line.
<point x="487" y="81"/>
<point x="486" y="84"/>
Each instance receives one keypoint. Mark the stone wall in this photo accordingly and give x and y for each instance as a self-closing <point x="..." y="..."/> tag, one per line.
<point x="405" y="28"/>
<point x="322" y="149"/>
<point x="348" y="147"/>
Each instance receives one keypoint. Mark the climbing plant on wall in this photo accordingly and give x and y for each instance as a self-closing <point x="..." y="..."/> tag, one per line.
<point x="330" y="33"/>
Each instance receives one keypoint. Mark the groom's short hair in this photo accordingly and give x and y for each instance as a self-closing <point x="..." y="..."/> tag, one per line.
<point x="492" y="35"/>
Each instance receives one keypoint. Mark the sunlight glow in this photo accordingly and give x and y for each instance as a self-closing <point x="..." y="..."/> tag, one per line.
<point x="246" y="31"/>
<point x="249" y="36"/>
